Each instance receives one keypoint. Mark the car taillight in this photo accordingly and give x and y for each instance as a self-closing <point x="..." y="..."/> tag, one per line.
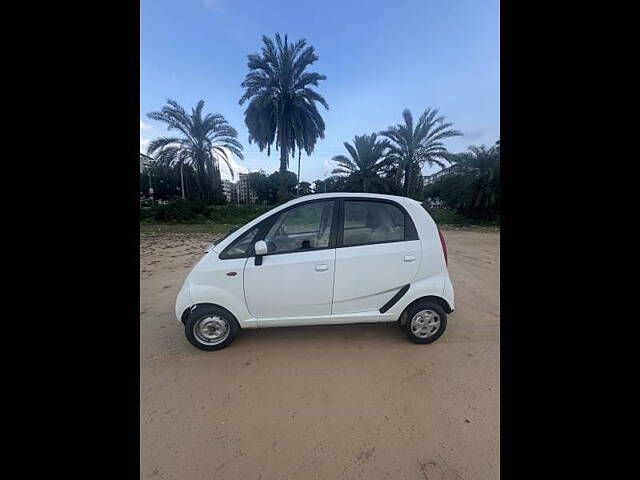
<point x="444" y="247"/>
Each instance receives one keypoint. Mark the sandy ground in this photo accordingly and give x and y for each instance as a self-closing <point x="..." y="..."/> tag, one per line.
<point x="326" y="402"/>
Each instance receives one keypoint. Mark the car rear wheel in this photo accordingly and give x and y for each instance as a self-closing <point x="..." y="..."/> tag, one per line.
<point x="210" y="328"/>
<point x="425" y="322"/>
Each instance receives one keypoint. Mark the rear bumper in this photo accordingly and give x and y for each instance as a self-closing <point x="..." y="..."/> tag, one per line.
<point x="447" y="294"/>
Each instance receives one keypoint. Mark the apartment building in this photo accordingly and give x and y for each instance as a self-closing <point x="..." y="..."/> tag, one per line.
<point x="240" y="191"/>
<point x="452" y="170"/>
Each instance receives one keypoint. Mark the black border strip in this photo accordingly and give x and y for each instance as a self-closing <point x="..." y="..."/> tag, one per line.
<point x="395" y="298"/>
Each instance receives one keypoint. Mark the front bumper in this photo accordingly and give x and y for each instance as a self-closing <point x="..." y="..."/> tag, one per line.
<point x="183" y="301"/>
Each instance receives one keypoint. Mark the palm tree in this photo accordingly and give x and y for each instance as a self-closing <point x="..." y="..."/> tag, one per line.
<point x="412" y="147"/>
<point x="282" y="107"/>
<point x="366" y="162"/>
<point x="204" y="142"/>
<point x="482" y="166"/>
<point x="474" y="188"/>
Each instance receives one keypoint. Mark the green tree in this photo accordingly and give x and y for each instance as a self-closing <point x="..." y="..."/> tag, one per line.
<point x="334" y="183"/>
<point x="414" y="146"/>
<point x="165" y="181"/>
<point x="365" y="165"/>
<point x="204" y="141"/>
<point x="318" y="186"/>
<point x="305" y="189"/>
<point x="282" y="105"/>
<point x="474" y="188"/>
<point x="286" y="178"/>
<point x="261" y="184"/>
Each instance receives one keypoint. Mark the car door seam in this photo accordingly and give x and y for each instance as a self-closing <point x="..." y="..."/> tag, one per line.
<point x="419" y="263"/>
<point x="333" y="286"/>
<point x="244" y="291"/>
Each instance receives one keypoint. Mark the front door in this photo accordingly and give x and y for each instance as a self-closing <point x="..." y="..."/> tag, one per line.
<point x="295" y="278"/>
<point x="378" y="253"/>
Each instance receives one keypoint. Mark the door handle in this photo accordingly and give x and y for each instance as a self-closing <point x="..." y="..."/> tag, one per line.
<point x="409" y="258"/>
<point x="322" y="267"/>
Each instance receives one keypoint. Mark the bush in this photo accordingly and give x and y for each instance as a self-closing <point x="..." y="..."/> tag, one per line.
<point x="145" y="213"/>
<point x="190" y="211"/>
<point x="236" y="214"/>
<point x="178" y="211"/>
<point x="446" y="216"/>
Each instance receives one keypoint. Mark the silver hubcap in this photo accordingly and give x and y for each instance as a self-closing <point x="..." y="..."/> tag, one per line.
<point x="425" y="323"/>
<point x="211" y="330"/>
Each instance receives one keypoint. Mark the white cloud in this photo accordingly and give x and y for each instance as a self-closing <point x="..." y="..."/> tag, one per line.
<point x="143" y="144"/>
<point x="225" y="174"/>
<point x="328" y="165"/>
<point x="213" y="5"/>
<point x="144" y="126"/>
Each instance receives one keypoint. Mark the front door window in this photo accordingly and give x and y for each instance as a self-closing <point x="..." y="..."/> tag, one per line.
<point x="306" y="227"/>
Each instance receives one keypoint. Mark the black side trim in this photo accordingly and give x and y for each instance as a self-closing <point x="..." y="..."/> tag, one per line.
<point x="394" y="299"/>
<point x="340" y="223"/>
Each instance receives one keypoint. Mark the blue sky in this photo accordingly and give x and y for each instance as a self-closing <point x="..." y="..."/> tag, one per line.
<point x="379" y="58"/>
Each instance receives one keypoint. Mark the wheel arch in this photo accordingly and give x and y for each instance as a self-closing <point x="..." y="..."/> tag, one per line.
<point x="434" y="298"/>
<point x="190" y="309"/>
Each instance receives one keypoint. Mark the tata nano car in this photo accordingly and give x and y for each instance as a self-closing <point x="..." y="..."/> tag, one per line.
<point x="322" y="259"/>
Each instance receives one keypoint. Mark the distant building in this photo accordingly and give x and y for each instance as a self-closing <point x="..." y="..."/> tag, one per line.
<point x="234" y="192"/>
<point x="240" y="191"/>
<point x="246" y="194"/>
<point x="230" y="191"/>
<point x="452" y="170"/>
<point x="144" y="161"/>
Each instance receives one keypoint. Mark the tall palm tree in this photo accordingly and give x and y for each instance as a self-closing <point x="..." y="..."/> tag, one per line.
<point x="204" y="142"/>
<point x="282" y="107"/>
<point x="413" y="147"/>
<point x="366" y="162"/>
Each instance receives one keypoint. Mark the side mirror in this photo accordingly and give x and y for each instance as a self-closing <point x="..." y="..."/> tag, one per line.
<point x="260" y="247"/>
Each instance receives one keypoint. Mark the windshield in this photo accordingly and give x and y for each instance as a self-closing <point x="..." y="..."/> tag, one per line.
<point x="217" y="241"/>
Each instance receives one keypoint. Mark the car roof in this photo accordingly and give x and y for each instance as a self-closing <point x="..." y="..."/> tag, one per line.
<point x="396" y="198"/>
<point x="405" y="201"/>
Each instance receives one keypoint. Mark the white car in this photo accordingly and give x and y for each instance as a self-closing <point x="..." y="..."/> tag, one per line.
<point x="322" y="259"/>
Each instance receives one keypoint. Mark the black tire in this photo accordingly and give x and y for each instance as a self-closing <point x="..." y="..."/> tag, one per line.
<point x="412" y="310"/>
<point x="202" y="313"/>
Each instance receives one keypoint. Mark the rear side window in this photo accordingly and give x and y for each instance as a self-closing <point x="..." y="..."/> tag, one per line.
<point x="368" y="222"/>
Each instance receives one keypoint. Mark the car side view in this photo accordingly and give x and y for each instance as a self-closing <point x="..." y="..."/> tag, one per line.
<point x="322" y="259"/>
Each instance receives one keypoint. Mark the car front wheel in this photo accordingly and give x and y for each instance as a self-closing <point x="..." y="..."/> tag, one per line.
<point x="210" y="328"/>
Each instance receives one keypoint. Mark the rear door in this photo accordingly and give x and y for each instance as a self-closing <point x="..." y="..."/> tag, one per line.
<point x="295" y="279"/>
<point x="378" y="252"/>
